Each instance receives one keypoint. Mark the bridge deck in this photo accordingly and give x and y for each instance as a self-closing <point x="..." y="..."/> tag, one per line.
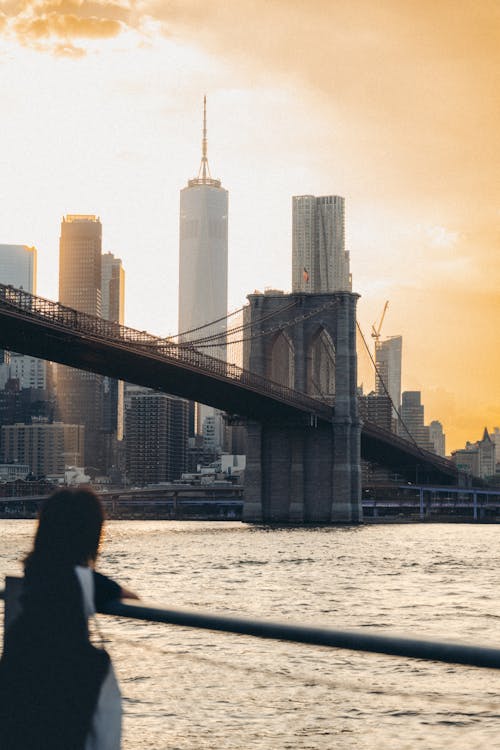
<point x="43" y="328"/>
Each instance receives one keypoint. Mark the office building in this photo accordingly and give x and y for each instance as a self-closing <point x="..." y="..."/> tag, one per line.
<point x="155" y="435"/>
<point x="203" y="239"/>
<point x="412" y="420"/>
<point x="495" y="436"/>
<point x="112" y="288"/>
<point x="45" y="447"/>
<point x="80" y="393"/>
<point x="376" y="409"/>
<point x="437" y="437"/>
<point x="113" y="308"/>
<point x="388" y="358"/>
<point x="18" y="268"/>
<point x="320" y="263"/>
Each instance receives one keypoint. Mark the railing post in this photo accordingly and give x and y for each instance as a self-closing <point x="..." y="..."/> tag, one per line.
<point x="421" y="493"/>
<point x="474" y="499"/>
<point x="13" y="590"/>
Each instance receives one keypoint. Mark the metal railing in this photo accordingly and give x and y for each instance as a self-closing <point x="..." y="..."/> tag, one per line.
<point x="26" y="305"/>
<point x="366" y="641"/>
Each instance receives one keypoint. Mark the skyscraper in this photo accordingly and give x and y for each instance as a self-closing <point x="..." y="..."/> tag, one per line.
<point x="113" y="308"/>
<point x="80" y="393"/>
<point x="18" y="268"/>
<point x="203" y="254"/>
<point x="412" y="415"/>
<point x="320" y="262"/>
<point x="388" y="357"/>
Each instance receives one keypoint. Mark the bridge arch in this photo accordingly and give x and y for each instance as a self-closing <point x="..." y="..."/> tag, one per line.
<point x="281" y="360"/>
<point x="320" y="365"/>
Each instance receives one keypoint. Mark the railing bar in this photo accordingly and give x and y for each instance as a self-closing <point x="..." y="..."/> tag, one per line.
<point x="451" y="653"/>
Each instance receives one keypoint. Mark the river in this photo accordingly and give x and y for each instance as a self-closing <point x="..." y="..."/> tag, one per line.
<point x="192" y="690"/>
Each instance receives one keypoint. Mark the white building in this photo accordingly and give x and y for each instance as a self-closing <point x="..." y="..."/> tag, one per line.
<point x="203" y="258"/>
<point x="320" y="262"/>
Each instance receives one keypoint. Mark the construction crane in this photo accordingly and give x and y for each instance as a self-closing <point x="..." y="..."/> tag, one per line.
<point x="376" y="331"/>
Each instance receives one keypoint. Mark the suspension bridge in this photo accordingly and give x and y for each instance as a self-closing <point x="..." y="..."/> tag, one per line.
<point x="286" y="369"/>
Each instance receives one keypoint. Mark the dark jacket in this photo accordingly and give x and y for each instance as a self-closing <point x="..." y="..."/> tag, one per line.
<point x="50" y="673"/>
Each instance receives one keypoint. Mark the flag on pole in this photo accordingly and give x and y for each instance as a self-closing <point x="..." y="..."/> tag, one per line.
<point x="305" y="274"/>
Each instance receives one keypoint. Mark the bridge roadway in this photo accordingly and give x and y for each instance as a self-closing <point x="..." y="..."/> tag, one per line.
<point x="45" y="329"/>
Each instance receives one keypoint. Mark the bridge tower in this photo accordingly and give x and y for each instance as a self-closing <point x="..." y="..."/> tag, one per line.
<point x="307" y="471"/>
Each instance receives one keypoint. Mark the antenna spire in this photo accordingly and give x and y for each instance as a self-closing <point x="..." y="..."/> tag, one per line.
<point x="204" y="171"/>
<point x="204" y="176"/>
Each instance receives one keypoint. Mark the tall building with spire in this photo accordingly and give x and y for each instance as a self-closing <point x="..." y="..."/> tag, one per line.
<point x="203" y="255"/>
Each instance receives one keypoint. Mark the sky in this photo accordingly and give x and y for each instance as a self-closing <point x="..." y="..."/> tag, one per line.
<point x="393" y="105"/>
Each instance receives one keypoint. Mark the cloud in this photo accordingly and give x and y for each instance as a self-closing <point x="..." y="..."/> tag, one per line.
<point x="51" y="25"/>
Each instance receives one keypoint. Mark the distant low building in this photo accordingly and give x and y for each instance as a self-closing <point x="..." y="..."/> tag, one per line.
<point x="46" y="448"/>
<point x="11" y="472"/>
<point x="477" y="458"/>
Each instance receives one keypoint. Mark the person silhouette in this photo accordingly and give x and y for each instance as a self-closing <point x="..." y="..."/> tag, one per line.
<point x="58" y="691"/>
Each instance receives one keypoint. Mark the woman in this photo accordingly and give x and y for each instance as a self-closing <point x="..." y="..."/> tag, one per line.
<point x="57" y="690"/>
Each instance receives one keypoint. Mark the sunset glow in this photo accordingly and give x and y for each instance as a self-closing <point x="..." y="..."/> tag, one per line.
<point x="392" y="105"/>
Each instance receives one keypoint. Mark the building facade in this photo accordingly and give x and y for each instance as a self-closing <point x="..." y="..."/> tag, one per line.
<point x="18" y="265"/>
<point x="80" y="393"/>
<point x="155" y="435"/>
<point x="320" y="263"/>
<point x="388" y="358"/>
<point x="113" y="308"/>
<point x="376" y="409"/>
<point x="412" y="420"/>
<point x="437" y="437"/>
<point x="46" y="448"/>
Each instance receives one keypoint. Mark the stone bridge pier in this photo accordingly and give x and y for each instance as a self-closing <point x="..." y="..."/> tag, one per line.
<point x="307" y="471"/>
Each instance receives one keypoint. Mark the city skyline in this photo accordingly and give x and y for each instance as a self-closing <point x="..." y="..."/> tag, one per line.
<point x="404" y="129"/>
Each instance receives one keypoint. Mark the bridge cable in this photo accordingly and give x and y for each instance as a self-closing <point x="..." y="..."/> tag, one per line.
<point x="231" y="331"/>
<point x="400" y="418"/>
<point x="280" y="327"/>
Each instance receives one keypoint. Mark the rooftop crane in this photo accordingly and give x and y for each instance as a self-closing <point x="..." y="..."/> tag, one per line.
<point x="376" y="331"/>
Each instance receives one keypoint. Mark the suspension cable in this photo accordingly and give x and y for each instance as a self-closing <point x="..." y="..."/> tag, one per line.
<point x="280" y="327"/>
<point x="381" y="380"/>
<point x="223" y="335"/>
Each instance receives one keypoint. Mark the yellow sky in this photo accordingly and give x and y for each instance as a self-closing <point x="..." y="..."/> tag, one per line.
<point x="393" y="105"/>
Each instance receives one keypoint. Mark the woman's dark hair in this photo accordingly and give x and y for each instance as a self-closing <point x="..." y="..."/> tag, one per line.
<point x="69" y="529"/>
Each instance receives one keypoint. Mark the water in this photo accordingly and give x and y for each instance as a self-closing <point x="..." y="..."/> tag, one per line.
<point x="190" y="690"/>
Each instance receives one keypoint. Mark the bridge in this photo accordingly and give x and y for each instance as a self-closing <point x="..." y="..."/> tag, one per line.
<point x="303" y="427"/>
